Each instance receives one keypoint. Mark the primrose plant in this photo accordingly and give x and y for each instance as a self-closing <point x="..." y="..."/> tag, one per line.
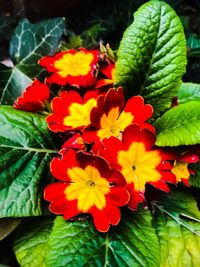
<point x="101" y="149"/>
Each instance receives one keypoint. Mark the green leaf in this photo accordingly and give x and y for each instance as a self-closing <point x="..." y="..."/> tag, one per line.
<point x="152" y="55"/>
<point x="195" y="178"/>
<point x="193" y="43"/>
<point x="132" y="243"/>
<point x="30" y="42"/>
<point x="188" y="92"/>
<point x="7" y="225"/>
<point x="179" y="125"/>
<point x="30" y="244"/>
<point x="12" y="83"/>
<point x="26" y="146"/>
<point x="177" y="222"/>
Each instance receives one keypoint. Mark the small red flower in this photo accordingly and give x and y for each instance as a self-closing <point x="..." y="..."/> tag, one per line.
<point x="111" y="117"/>
<point x="34" y="97"/>
<point x="76" y="68"/>
<point x="181" y="169"/>
<point x="138" y="161"/>
<point x="88" y="185"/>
<point x="109" y="72"/>
<point x="71" y="111"/>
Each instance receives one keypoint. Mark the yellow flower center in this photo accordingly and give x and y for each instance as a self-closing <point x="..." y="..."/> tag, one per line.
<point x="80" y="114"/>
<point x="74" y="65"/>
<point x="139" y="165"/>
<point x="114" y="123"/>
<point x="180" y="170"/>
<point x="88" y="187"/>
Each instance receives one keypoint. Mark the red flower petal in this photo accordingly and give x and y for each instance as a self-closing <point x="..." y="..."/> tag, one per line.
<point x="34" y="97"/>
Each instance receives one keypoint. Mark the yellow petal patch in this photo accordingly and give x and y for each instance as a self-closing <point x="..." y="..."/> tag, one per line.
<point x="74" y="64"/>
<point x="114" y="123"/>
<point x="88" y="187"/>
<point x="180" y="170"/>
<point x="80" y="114"/>
<point x="139" y="165"/>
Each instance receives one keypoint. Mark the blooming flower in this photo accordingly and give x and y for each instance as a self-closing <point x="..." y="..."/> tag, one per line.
<point x="181" y="169"/>
<point x="138" y="161"/>
<point x="34" y="97"/>
<point x="111" y="117"/>
<point x="89" y="186"/>
<point x="77" y="68"/>
<point x="109" y="72"/>
<point x="71" y="111"/>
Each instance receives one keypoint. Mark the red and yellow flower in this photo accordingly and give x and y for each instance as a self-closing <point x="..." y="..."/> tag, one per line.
<point x="71" y="111"/>
<point x="111" y="116"/>
<point x="88" y="185"/>
<point x="76" y="68"/>
<point x="34" y="97"/>
<point x="138" y="161"/>
<point x="109" y="72"/>
<point x="181" y="166"/>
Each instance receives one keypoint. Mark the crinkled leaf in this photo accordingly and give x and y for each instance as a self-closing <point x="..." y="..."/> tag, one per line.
<point x="152" y="55"/>
<point x="26" y="147"/>
<point x="178" y="228"/>
<point x="7" y="225"/>
<point x="31" y="239"/>
<point x="179" y="125"/>
<point x="132" y="243"/>
<point x="30" y="42"/>
<point x="12" y="83"/>
<point x="188" y="92"/>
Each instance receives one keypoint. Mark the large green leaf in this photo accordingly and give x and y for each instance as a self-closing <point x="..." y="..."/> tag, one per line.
<point x="188" y="92"/>
<point x="177" y="222"/>
<point x="30" y="42"/>
<point x="132" y="243"/>
<point x="12" y="83"/>
<point x="30" y="244"/>
<point x="26" y="147"/>
<point x="152" y="55"/>
<point x="179" y="125"/>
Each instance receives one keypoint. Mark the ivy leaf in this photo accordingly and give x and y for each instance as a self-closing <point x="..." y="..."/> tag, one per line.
<point x="30" y="42"/>
<point x="7" y="225"/>
<point x="152" y="55"/>
<point x="188" y="92"/>
<point x="177" y="222"/>
<point x="179" y="125"/>
<point x="132" y="243"/>
<point x="13" y="82"/>
<point x="26" y="147"/>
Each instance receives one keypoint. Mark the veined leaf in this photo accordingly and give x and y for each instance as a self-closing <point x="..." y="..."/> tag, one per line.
<point x="188" y="92"/>
<point x="152" y="55"/>
<point x="12" y="83"/>
<point x="31" y="239"/>
<point x="132" y="243"/>
<point x="179" y="125"/>
<point x="178" y="230"/>
<point x="26" y="147"/>
<point x="29" y="43"/>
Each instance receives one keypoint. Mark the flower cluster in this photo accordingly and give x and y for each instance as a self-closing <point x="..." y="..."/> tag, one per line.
<point x="109" y="152"/>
